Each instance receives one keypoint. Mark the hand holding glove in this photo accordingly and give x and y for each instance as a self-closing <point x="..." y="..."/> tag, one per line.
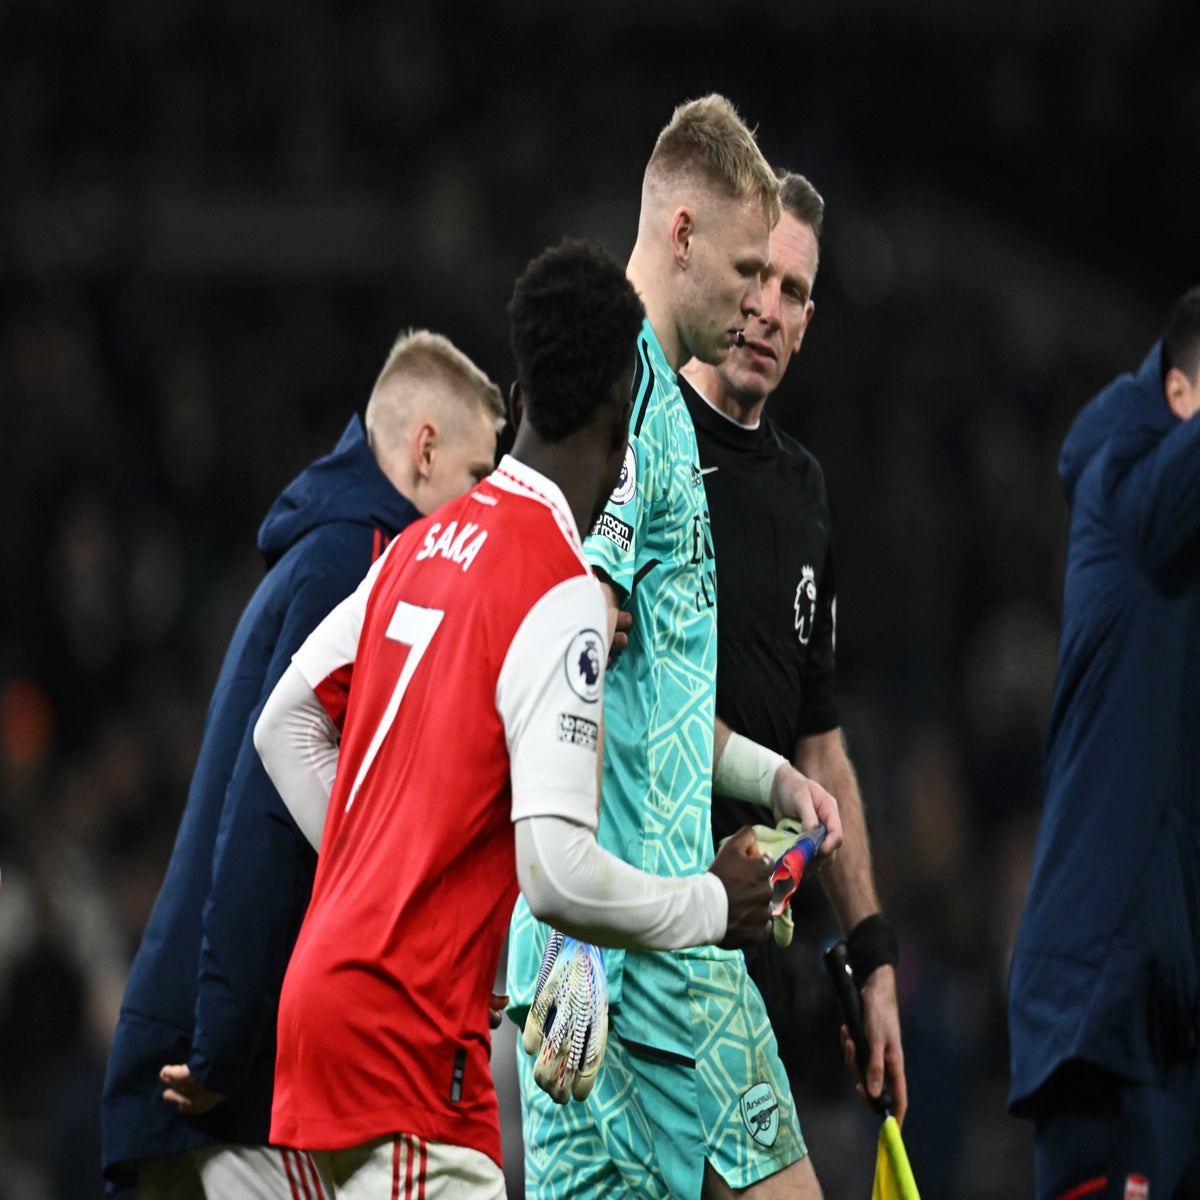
<point x="790" y="847"/>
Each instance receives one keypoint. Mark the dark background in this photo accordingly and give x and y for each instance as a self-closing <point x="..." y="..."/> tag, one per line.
<point x="214" y="219"/>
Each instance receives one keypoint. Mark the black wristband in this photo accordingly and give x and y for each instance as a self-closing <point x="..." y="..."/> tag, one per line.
<point x="872" y="943"/>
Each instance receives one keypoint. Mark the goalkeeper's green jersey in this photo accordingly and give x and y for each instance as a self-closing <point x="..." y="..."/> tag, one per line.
<point x="653" y="543"/>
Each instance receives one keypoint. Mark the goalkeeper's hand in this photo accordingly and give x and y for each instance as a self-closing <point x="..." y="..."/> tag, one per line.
<point x="789" y="847"/>
<point x="567" y="1026"/>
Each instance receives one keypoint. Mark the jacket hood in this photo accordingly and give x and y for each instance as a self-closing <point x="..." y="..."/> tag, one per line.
<point x="1129" y="401"/>
<point x="345" y="485"/>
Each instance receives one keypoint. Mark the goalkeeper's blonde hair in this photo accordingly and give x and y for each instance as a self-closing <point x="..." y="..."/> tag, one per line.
<point x="706" y="141"/>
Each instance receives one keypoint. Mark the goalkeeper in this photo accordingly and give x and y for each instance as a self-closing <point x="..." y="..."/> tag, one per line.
<point x="692" y="1095"/>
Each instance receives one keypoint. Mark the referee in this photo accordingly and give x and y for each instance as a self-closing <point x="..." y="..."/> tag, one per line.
<point x="776" y="604"/>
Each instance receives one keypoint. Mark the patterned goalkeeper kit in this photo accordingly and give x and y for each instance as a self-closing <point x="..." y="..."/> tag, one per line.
<point x="692" y="1071"/>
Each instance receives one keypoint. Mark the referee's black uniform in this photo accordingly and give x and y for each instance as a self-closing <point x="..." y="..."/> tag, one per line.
<point x="775" y="671"/>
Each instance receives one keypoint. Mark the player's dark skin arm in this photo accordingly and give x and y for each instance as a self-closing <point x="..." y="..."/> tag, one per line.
<point x="615" y="624"/>
<point x="745" y="874"/>
<point x="620" y="637"/>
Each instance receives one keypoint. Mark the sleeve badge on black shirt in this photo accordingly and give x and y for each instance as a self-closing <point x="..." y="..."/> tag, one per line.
<point x="806" y="604"/>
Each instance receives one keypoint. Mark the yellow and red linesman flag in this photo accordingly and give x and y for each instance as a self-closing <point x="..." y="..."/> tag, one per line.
<point x="893" y="1176"/>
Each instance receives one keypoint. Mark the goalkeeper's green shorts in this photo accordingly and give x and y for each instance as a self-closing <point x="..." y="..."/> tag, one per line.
<point x="651" y="1122"/>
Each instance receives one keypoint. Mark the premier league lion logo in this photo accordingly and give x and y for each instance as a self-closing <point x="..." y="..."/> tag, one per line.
<point x="584" y="665"/>
<point x="589" y="664"/>
<point x="806" y="604"/>
<point x="627" y="483"/>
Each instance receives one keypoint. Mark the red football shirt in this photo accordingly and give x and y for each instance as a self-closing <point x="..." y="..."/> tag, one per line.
<point x="466" y="675"/>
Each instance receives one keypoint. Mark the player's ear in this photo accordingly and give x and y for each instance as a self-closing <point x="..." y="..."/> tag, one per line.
<point x="1183" y="397"/>
<point x="424" y="448"/>
<point x="683" y="230"/>
<point x="516" y="405"/>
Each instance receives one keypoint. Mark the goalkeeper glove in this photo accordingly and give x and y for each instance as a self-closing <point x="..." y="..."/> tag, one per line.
<point x="790" y="847"/>
<point x="567" y="1026"/>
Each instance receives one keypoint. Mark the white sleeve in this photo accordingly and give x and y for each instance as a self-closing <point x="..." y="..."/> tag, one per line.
<point x="548" y="694"/>
<point x="298" y="744"/>
<point x="574" y="884"/>
<point x="297" y="734"/>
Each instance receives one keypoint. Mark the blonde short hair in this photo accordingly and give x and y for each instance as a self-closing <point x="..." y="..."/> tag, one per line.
<point x="706" y="140"/>
<point x="423" y="363"/>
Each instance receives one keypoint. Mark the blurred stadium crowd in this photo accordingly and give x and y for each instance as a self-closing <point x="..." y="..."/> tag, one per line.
<point x="217" y="217"/>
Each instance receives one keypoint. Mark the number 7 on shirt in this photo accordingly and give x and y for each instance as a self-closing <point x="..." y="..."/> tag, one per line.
<point x="414" y="627"/>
